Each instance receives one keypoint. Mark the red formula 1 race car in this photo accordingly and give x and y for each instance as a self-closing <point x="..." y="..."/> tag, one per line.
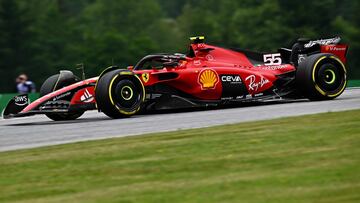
<point x="206" y="76"/>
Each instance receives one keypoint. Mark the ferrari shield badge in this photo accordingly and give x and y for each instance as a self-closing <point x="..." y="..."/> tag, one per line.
<point x="208" y="79"/>
<point x="145" y="77"/>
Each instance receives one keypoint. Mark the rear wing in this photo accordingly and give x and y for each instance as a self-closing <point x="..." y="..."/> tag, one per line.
<point x="321" y="42"/>
<point x="331" y="46"/>
<point x="305" y="47"/>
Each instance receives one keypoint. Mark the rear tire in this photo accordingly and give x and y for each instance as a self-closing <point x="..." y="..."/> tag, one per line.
<point x="321" y="77"/>
<point x="52" y="84"/>
<point x="119" y="95"/>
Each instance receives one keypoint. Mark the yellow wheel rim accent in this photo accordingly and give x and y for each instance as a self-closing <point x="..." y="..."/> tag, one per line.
<point x="110" y="95"/>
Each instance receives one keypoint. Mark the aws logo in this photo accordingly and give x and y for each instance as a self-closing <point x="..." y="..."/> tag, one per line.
<point x="21" y="100"/>
<point x="208" y="79"/>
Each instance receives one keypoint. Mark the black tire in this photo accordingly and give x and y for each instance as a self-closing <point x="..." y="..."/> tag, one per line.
<point x="48" y="85"/>
<point x="321" y="77"/>
<point x="119" y="94"/>
<point x="51" y="84"/>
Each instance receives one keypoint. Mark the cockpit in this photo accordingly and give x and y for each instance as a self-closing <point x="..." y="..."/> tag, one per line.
<point x="159" y="61"/>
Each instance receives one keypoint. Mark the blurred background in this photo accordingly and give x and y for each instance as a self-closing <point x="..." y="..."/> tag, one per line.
<point x="41" y="37"/>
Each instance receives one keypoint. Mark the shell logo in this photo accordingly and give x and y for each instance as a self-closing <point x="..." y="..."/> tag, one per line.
<point x="208" y="79"/>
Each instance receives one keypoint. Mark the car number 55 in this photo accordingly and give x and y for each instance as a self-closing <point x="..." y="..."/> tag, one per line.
<point x="272" y="59"/>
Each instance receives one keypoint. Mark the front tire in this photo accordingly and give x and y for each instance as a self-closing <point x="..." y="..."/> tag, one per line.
<point x="119" y="94"/>
<point x="54" y="83"/>
<point x="321" y="77"/>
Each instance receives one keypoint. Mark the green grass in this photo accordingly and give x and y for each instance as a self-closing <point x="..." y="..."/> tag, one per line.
<point x="302" y="159"/>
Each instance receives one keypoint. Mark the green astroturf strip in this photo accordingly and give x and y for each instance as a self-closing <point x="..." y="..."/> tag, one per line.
<point x="354" y="83"/>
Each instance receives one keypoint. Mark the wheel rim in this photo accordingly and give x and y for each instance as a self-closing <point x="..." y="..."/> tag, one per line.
<point x="126" y="93"/>
<point x="330" y="76"/>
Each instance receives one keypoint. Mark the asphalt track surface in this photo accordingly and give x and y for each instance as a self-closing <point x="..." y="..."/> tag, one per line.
<point x="37" y="131"/>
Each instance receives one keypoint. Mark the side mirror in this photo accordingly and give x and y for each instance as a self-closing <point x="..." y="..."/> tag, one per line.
<point x="131" y="68"/>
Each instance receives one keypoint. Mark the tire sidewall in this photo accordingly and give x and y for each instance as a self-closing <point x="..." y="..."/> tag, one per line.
<point x="307" y="77"/>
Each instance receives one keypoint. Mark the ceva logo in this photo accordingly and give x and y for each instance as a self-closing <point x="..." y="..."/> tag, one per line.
<point x="231" y="78"/>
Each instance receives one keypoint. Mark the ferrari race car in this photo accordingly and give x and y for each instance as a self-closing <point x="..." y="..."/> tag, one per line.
<point x="206" y="76"/>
